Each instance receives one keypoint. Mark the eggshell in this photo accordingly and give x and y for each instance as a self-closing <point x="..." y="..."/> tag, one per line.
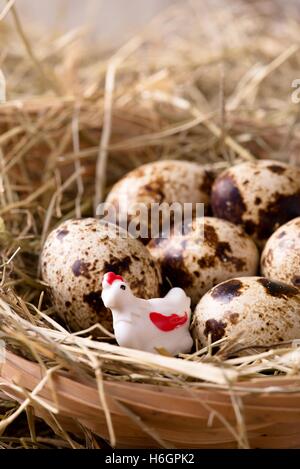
<point x="256" y="310"/>
<point x="211" y="250"/>
<point x="259" y="195"/>
<point x="281" y="256"/>
<point x="75" y="257"/>
<point x="161" y="182"/>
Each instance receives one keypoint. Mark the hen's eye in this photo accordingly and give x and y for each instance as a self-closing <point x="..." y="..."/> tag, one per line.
<point x="123" y="287"/>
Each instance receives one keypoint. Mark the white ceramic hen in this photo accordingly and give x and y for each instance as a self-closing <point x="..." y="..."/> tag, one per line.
<point x="148" y="324"/>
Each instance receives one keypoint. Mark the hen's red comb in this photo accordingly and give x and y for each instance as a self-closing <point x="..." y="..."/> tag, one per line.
<point x="111" y="277"/>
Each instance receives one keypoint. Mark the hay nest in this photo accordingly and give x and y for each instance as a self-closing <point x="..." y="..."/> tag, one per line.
<point x="210" y="83"/>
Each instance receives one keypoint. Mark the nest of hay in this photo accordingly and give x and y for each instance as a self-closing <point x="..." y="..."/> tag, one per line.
<point x="210" y="83"/>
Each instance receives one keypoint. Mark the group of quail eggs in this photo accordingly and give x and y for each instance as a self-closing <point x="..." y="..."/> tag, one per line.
<point x="242" y="275"/>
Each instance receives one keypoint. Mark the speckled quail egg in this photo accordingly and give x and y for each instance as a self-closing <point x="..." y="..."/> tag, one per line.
<point x="256" y="310"/>
<point x="74" y="259"/>
<point x="259" y="195"/>
<point x="161" y="182"/>
<point x="281" y="256"/>
<point x="210" y="251"/>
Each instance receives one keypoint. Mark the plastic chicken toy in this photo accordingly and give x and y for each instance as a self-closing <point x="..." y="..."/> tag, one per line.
<point x="148" y="324"/>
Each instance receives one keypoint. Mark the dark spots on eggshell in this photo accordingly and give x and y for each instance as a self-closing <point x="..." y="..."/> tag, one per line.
<point x="296" y="280"/>
<point x="118" y="266"/>
<point x="81" y="268"/>
<point x="61" y="234"/>
<point x="155" y="189"/>
<point x="257" y="201"/>
<point x="67" y="304"/>
<point x="206" y="184"/>
<point x="280" y="210"/>
<point x="250" y="227"/>
<point x="94" y="300"/>
<point x="173" y="268"/>
<point x="275" y="168"/>
<point x="227" y="200"/>
<point x="281" y="234"/>
<point x="214" y="328"/>
<point x="278" y="289"/>
<point x="222" y="251"/>
<point x="234" y="318"/>
<point x="210" y="235"/>
<point x="227" y="291"/>
<point x="206" y="262"/>
<point x="268" y="257"/>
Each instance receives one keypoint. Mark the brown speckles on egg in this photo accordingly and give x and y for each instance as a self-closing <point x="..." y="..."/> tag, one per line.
<point x="61" y="234"/>
<point x="227" y="199"/>
<point x="284" y="263"/>
<point x="281" y="234"/>
<point x="259" y="312"/>
<point x="118" y="266"/>
<point x="257" y="200"/>
<point x="271" y="198"/>
<point x="79" y="267"/>
<point x="227" y="291"/>
<point x="210" y="235"/>
<point x="234" y="318"/>
<point x="74" y="270"/>
<point x="216" y="329"/>
<point x="207" y="182"/>
<point x="296" y="280"/>
<point x="174" y="269"/>
<point x="213" y="250"/>
<point x="267" y="259"/>
<point x="94" y="300"/>
<point x="277" y="169"/>
<point x="278" y="211"/>
<point x="278" y="289"/>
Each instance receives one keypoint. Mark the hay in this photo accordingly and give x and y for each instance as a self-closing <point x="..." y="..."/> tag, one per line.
<point x="210" y="83"/>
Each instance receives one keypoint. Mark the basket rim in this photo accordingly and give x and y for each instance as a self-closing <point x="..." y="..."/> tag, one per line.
<point x="266" y="384"/>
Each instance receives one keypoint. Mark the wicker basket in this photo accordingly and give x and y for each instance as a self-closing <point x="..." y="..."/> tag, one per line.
<point x="172" y="417"/>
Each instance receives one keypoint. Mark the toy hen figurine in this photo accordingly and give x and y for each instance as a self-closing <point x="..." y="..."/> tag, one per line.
<point x="148" y="324"/>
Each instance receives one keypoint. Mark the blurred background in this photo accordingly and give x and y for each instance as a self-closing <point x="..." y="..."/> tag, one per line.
<point x="111" y="21"/>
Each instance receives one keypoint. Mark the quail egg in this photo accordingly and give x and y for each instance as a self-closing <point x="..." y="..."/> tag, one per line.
<point x="256" y="310"/>
<point x="74" y="259"/>
<point x="210" y="251"/>
<point x="281" y="256"/>
<point x="161" y="182"/>
<point x="260" y="196"/>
